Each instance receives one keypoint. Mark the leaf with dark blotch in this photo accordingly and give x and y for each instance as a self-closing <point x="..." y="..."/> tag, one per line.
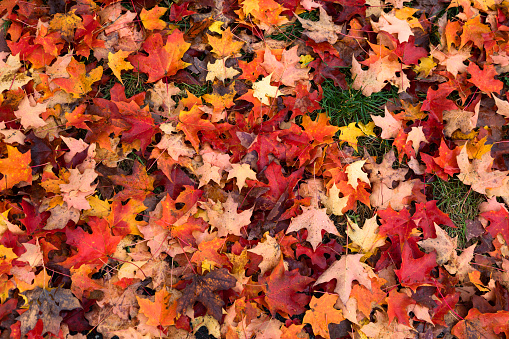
<point x="46" y="305"/>
<point x="202" y="289"/>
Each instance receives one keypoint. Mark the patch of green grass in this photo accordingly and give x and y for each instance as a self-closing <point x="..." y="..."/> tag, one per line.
<point x="346" y="106"/>
<point x="134" y="83"/>
<point x="459" y="202"/>
<point x="293" y="31"/>
<point x="197" y="90"/>
<point x="6" y="23"/>
<point x="375" y="147"/>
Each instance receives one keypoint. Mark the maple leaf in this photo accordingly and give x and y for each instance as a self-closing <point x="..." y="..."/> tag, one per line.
<point x="81" y="281"/>
<point x="478" y="173"/>
<point x="490" y="325"/>
<point x="444" y="245"/>
<point x="79" y="82"/>
<point x="6" y="258"/>
<point x="345" y="271"/>
<point x="314" y="220"/>
<point x="158" y="312"/>
<point x="485" y="79"/>
<point x="93" y="248"/>
<point x="322" y="313"/>
<point x="219" y="71"/>
<point x="269" y="249"/>
<point x="355" y="173"/>
<point x="333" y="203"/>
<point x="79" y="188"/>
<point x="281" y="289"/>
<point x="367" y="239"/>
<point x="322" y="30"/>
<point x="66" y="24"/>
<point x="29" y="110"/>
<point x="10" y="79"/>
<point x="391" y="24"/>
<point x="241" y="172"/>
<point x="225" y="46"/>
<point x="229" y="221"/>
<point x="117" y="63"/>
<point x="350" y="134"/>
<point x="320" y="130"/>
<point x="427" y="215"/>
<point x="473" y="30"/>
<point x="499" y="222"/>
<point x="163" y="60"/>
<point x="263" y="90"/>
<point x="15" y="168"/>
<point x="150" y="19"/>
<point x="202" y="289"/>
<point x="137" y="186"/>
<point x="416" y="272"/>
<point x="288" y="70"/>
<point x="46" y="305"/>
<point x="383" y="328"/>
<point x="390" y="125"/>
<point x="191" y="122"/>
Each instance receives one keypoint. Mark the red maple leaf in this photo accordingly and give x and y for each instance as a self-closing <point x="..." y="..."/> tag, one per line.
<point x="93" y="248"/>
<point x="281" y="289"/>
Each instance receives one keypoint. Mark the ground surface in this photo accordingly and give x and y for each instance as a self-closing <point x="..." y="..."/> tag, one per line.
<point x="254" y="169"/>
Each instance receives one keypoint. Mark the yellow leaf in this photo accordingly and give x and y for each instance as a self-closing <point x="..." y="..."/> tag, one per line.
<point x="350" y="133"/>
<point x="477" y="148"/>
<point x="150" y="19"/>
<point x="368" y="128"/>
<point x="306" y="59"/>
<point x="426" y="65"/>
<point x="216" y="27"/>
<point x="117" y="63"/>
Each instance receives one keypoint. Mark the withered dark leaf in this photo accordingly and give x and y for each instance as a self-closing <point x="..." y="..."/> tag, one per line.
<point x="46" y="305"/>
<point x="202" y="289"/>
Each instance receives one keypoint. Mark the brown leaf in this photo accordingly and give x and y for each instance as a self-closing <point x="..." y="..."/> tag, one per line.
<point x="202" y="289"/>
